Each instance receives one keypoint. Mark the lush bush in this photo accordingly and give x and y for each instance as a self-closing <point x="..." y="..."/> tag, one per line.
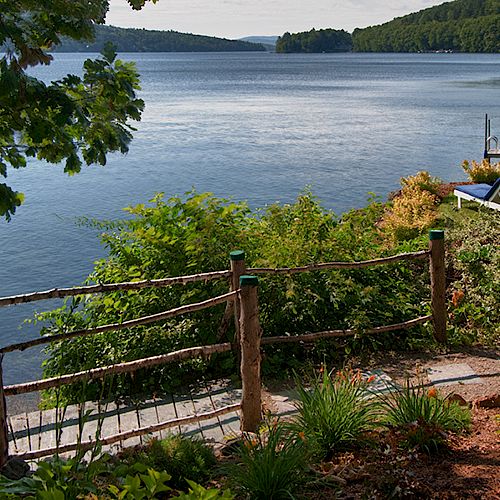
<point x="334" y="412"/>
<point x="270" y="464"/>
<point x="414" y="209"/>
<point x="184" y="458"/>
<point x="473" y="261"/>
<point x="424" y="416"/>
<point x="177" y="237"/>
<point x="483" y="172"/>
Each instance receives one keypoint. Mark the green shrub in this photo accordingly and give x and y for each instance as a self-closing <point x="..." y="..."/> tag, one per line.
<point x="424" y="417"/>
<point x="184" y="458"/>
<point x="473" y="260"/>
<point x="196" y="234"/>
<point x="483" y="172"/>
<point x="334" y="412"/>
<point x="271" y="464"/>
<point x="414" y="209"/>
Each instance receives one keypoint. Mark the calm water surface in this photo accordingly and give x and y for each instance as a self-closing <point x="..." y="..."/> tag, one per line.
<point x="258" y="127"/>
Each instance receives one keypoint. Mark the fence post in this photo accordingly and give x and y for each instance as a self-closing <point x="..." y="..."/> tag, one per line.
<point x="4" y="436"/>
<point x="250" y="335"/>
<point x="438" y="284"/>
<point x="238" y="268"/>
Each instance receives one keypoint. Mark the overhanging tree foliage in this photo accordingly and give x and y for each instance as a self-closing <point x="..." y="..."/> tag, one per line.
<point x="74" y="120"/>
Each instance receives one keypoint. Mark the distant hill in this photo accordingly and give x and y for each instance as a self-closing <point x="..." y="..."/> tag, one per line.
<point x="327" y="40"/>
<point x="461" y="25"/>
<point x="269" y="42"/>
<point x="141" y="40"/>
<point x="266" y="40"/>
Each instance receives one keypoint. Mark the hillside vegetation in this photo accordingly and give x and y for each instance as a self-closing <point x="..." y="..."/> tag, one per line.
<point x="327" y="40"/>
<point x="141" y="40"/>
<point x="461" y="25"/>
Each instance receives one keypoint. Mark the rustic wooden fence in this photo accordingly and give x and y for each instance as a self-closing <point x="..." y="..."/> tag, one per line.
<point x="243" y="300"/>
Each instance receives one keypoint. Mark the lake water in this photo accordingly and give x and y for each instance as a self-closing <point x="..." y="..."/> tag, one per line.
<point x="255" y="126"/>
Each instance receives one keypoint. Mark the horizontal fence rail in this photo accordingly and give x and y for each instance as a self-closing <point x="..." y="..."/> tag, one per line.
<point x="60" y="293"/>
<point x="423" y="254"/>
<point x="88" y="445"/>
<point x="127" y="367"/>
<point x="145" y="320"/>
<point x="313" y="337"/>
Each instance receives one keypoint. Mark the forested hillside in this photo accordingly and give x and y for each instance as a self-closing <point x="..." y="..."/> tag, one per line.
<point x="327" y="40"/>
<point x="141" y="40"/>
<point x="462" y="26"/>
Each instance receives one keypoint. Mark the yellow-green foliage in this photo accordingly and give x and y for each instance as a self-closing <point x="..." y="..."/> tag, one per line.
<point x="414" y="210"/>
<point x="484" y="172"/>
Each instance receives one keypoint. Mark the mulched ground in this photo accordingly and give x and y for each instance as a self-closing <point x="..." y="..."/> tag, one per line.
<point x="468" y="469"/>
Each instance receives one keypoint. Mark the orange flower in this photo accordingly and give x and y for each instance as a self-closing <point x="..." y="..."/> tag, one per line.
<point x="457" y="297"/>
<point x="432" y="393"/>
<point x="370" y="379"/>
<point x="302" y="436"/>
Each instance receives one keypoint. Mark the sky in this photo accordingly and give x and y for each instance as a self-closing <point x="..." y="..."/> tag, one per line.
<point x="239" y="18"/>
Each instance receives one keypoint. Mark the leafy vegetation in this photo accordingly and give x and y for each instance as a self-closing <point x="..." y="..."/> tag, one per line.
<point x="181" y="457"/>
<point x="326" y="40"/>
<point x="73" y="120"/>
<point x="103" y="478"/>
<point x="334" y="412"/>
<point x="423" y="416"/>
<point x="414" y="209"/>
<point x="196" y="234"/>
<point x="284" y="459"/>
<point x="177" y="237"/>
<point x="473" y="261"/>
<point x="460" y="25"/>
<point x="142" y="40"/>
<point x="482" y="172"/>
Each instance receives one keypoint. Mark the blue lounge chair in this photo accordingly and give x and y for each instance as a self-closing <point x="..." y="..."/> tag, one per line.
<point x="484" y="194"/>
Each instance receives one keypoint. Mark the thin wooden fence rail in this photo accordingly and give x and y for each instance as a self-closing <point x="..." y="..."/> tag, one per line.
<point x="145" y="320"/>
<point x="59" y="293"/>
<point x="127" y="367"/>
<point x="313" y="337"/>
<point x="423" y="254"/>
<point x="115" y="438"/>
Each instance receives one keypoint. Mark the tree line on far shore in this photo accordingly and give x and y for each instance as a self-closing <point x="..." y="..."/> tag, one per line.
<point x="142" y="40"/>
<point x="459" y="26"/>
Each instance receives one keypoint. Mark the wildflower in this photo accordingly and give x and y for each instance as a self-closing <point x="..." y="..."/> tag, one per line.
<point x="371" y="378"/>
<point x="457" y="297"/>
<point x="302" y="435"/>
<point x="432" y="393"/>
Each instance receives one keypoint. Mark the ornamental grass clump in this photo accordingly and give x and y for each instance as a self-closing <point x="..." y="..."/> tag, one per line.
<point x="334" y="412"/>
<point x="270" y="464"/>
<point x="424" y="417"/>
<point x="483" y="172"/>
